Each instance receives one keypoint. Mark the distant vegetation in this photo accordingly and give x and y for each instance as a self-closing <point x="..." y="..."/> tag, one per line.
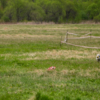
<point x="58" y="11"/>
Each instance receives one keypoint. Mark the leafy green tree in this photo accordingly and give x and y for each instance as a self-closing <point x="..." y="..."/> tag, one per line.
<point x="1" y="11"/>
<point x="53" y="10"/>
<point x="35" y="12"/>
<point x="16" y="10"/>
<point x="92" y="11"/>
<point x="3" y="3"/>
<point x="19" y="10"/>
<point x="71" y="11"/>
<point x="49" y="10"/>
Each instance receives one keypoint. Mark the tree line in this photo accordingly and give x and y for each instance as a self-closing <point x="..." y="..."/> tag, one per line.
<point x="58" y="11"/>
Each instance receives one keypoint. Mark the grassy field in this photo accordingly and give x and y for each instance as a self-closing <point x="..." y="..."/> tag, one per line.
<point x="27" y="51"/>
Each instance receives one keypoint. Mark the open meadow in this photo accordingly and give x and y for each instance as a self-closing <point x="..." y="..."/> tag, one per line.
<point x="28" y="50"/>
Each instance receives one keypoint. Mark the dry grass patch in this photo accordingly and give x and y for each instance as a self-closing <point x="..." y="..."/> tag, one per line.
<point x="19" y="36"/>
<point x="32" y="97"/>
<point x="56" y="54"/>
<point x="85" y="73"/>
<point x="53" y="74"/>
<point x="37" y="71"/>
<point x="90" y="72"/>
<point x="60" y="54"/>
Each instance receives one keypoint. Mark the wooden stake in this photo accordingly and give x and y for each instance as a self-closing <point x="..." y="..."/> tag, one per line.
<point x="61" y="41"/>
<point x="67" y="36"/>
<point x="90" y="34"/>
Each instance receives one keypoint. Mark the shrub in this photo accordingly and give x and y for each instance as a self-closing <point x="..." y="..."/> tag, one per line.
<point x="71" y="11"/>
<point x="35" y="12"/>
<point x="6" y="19"/>
<point x="39" y="96"/>
<point x="97" y="18"/>
<point x="54" y="10"/>
<point x="66" y="98"/>
<point x="92" y="11"/>
<point x="3" y="3"/>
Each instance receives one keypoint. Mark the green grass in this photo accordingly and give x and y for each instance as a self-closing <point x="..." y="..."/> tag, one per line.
<point x="27" y="51"/>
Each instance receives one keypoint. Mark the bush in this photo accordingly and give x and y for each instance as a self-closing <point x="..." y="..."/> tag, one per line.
<point x="9" y="13"/>
<point x="6" y="19"/>
<point x="1" y="11"/>
<point x="54" y="10"/>
<point x="92" y="11"/>
<point x="97" y="18"/>
<point x="71" y="12"/>
<point x="78" y="98"/>
<point x="3" y="3"/>
<point x="39" y="96"/>
<point x="5" y="97"/>
<point x="35" y="12"/>
<point x="66" y="98"/>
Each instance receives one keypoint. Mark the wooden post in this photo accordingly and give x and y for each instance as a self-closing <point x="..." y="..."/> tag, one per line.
<point x="67" y="36"/>
<point x="90" y="34"/>
<point x="61" y="41"/>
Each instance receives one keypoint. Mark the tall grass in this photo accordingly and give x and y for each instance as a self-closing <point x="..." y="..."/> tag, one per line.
<point x="27" y="51"/>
